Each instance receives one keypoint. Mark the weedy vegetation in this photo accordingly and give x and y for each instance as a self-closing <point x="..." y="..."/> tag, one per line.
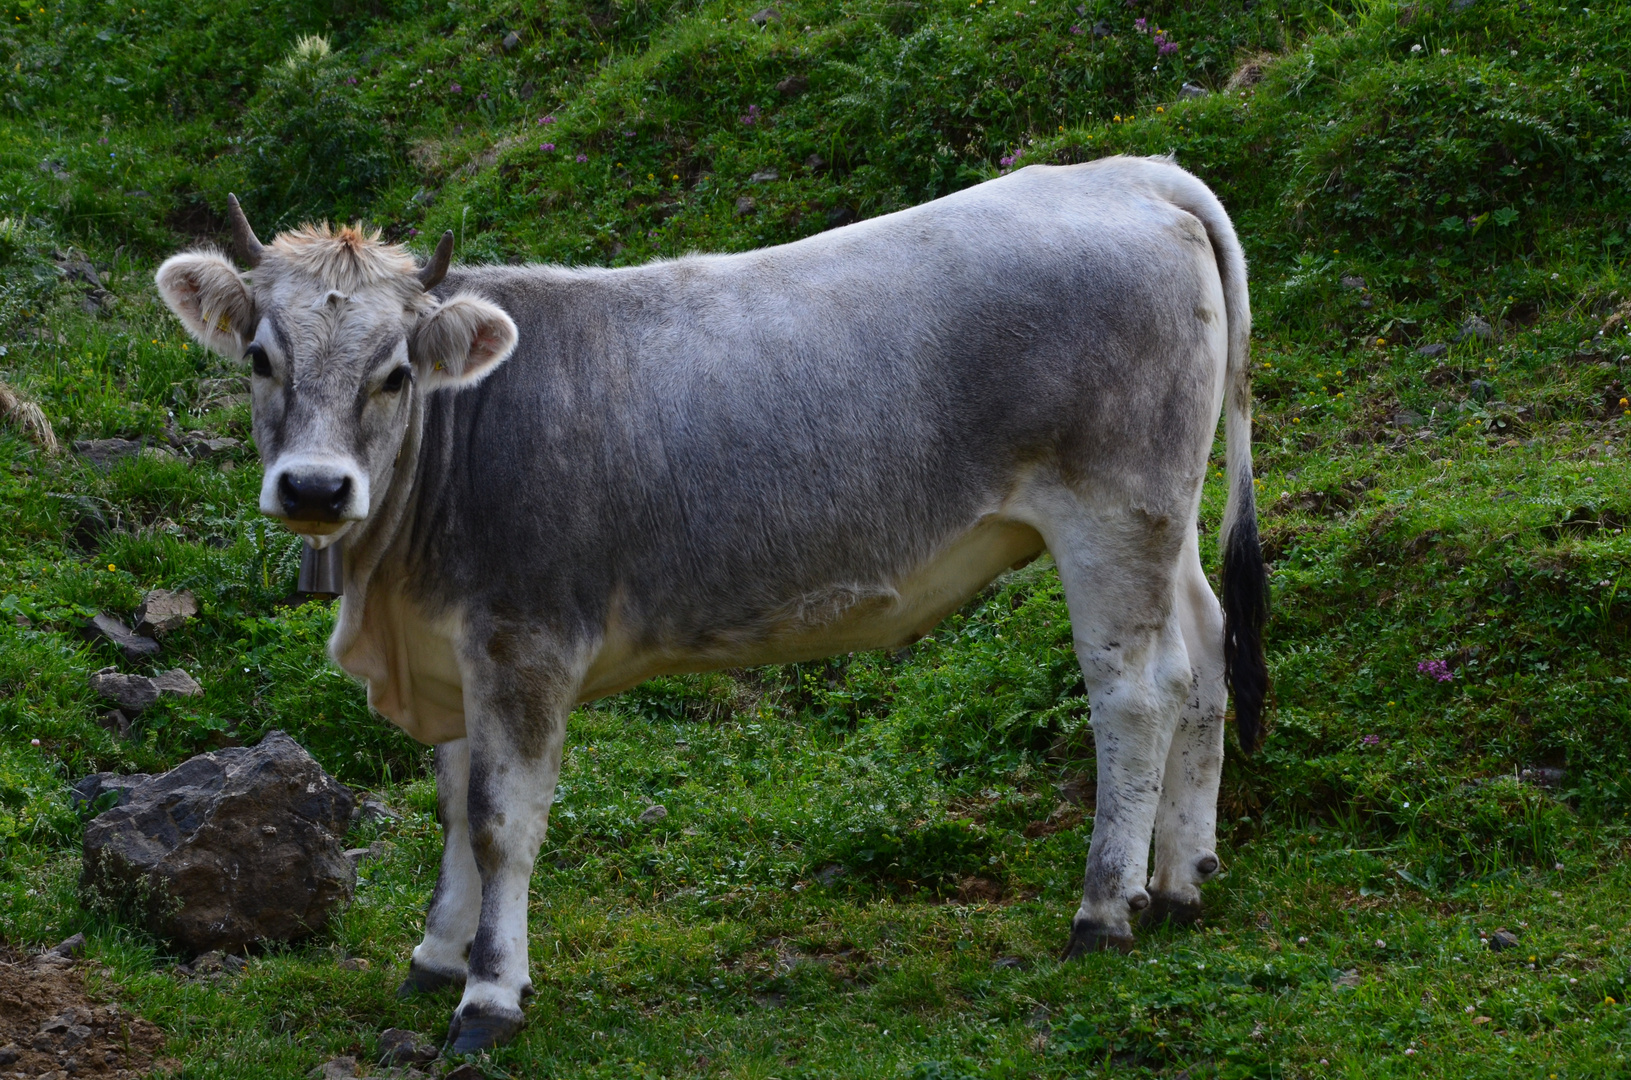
<point x="869" y="863"/>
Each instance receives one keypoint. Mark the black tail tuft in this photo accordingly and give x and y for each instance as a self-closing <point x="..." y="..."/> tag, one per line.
<point x="1245" y="610"/>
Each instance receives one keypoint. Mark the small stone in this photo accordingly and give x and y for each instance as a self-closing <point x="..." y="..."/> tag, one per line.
<point x="341" y="1068"/>
<point x="1101" y="29"/>
<point x="132" y="693"/>
<point x="116" y="722"/>
<point x="793" y="85"/>
<point x="354" y="963"/>
<point x="1350" y="281"/>
<point x="745" y="206"/>
<point x="839" y="216"/>
<point x="10" y="1054"/>
<point x="178" y="682"/>
<point x="132" y="644"/>
<point x="1480" y="390"/>
<point x="815" y="163"/>
<point x="103" y="454"/>
<point x="466" y="1071"/>
<point x="1476" y="327"/>
<point x="1434" y="350"/>
<point x="1189" y="91"/>
<point x="398" y="1046"/>
<point x="163" y="611"/>
<point x="764" y="176"/>
<point x="1009" y="963"/>
<point x="653" y="814"/>
<point x="1502" y="940"/>
<point x="764" y="15"/>
<point x="372" y="810"/>
<point x="1408" y="418"/>
<point x="72" y="947"/>
<point x="511" y="42"/>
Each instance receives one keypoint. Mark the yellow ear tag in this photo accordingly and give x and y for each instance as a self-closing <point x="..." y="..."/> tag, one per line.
<point x="438" y="365"/>
<point x="223" y="324"/>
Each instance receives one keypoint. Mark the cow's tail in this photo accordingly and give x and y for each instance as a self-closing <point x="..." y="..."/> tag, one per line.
<point x="1245" y="578"/>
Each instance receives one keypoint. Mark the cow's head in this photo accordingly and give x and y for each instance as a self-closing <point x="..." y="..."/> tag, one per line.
<point x="340" y="332"/>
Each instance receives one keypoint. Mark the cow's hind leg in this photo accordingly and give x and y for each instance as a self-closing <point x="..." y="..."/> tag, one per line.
<point x="1118" y="571"/>
<point x="516" y="705"/>
<point x="450" y="924"/>
<point x="1186" y="822"/>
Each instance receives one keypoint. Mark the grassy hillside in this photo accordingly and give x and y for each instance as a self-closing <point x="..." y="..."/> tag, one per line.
<point x="869" y="862"/>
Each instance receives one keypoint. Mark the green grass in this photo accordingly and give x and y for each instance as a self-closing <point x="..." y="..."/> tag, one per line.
<point x="1468" y="508"/>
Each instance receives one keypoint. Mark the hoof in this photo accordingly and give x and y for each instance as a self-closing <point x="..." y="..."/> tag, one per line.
<point x="1086" y="938"/>
<point x="481" y="1027"/>
<point x="1168" y="909"/>
<point x="424" y="980"/>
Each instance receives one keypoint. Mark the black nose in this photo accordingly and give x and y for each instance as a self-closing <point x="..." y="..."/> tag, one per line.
<point x="313" y="498"/>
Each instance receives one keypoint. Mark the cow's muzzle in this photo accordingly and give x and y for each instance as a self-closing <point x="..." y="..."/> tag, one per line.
<point x="313" y="497"/>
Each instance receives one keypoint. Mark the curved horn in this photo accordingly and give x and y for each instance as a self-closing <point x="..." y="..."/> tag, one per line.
<point x="434" y="271"/>
<point x="243" y="237"/>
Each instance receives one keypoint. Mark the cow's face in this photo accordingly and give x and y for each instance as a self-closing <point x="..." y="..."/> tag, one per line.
<point x="339" y="334"/>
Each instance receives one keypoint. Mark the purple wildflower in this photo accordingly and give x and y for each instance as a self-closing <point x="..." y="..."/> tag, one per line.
<point x="546" y="147"/>
<point x="1436" y="669"/>
<point x="1371" y="740"/>
<point x="413" y="232"/>
<point x="582" y="158"/>
<point x="1076" y="29"/>
<point x="752" y="116"/>
<point x="546" y="119"/>
<point x="351" y="80"/>
<point x="1167" y="47"/>
<point x="483" y="96"/>
<point x="456" y="89"/>
<point x="630" y="134"/>
<point x="1140" y="25"/>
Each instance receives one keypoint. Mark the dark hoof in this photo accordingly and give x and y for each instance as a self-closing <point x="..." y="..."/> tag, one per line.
<point x="481" y="1027"/>
<point x="1167" y="909"/>
<point x="1086" y="938"/>
<point x="424" y="980"/>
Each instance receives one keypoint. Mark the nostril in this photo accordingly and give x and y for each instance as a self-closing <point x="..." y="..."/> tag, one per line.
<point x="288" y="494"/>
<point x="340" y="495"/>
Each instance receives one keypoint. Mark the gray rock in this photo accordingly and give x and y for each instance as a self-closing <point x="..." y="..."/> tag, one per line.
<point x="88" y="789"/>
<point x="222" y="393"/>
<point x="830" y="873"/>
<point x="103" y="454"/>
<point x="1476" y="327"/>
<point x="85" y="520"/>
<point x="1009" y="963"/>
<point x="653" y="814"/>
<point x="163" y="611"/>
<point x="377" y="850"/>
<point x="1546" y="776"/>
<point x="178" y="682"/>
<point x="1502" y="940"/>
<point x="466" y="1071"/>
<point x="205" y="447"/>
<point x="1434" y="350"/>
<point x="1101" y="29"/>
<point x="72" y="947"/>
<point x="765" y="15"/>
<point x="511" y="42"/>
<point x="132" y="644"/>
<point x="132" y="693"/>
<point x="372" y="810"/>
<point x="340" y="1068"/>
<point x="745" y="206"/>
<point x="764" y="176"/>
<point x="228" y="848"/>
<point x="1189" y="91"/>
<point x="1480" y="390"/>
<point x="1350" y="281"/>
<point x="1408" y="418"/>
<point x="10" y="1054"/>
<point x="815" y="163"/>
<point x="115" y="721"/>
<point x="793" y="86"/>
<point x="398" y="1046"/>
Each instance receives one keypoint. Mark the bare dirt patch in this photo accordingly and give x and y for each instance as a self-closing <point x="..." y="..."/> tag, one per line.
<point x="50" y="1028"/>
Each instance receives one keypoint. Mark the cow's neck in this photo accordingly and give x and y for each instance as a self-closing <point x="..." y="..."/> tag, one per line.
<point x="367" y="549"/>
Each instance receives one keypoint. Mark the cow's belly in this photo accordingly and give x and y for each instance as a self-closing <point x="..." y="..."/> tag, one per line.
<point x="846" y="618"/>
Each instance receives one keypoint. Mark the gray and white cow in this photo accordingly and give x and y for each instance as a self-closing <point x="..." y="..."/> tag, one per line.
<point x="554" y="483"/>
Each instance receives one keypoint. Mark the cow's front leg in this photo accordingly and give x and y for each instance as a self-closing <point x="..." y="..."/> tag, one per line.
<point x="517" y="698"/>
<point x="450" y="924"/>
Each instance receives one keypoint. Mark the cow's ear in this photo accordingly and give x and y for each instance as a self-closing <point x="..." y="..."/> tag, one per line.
<point x="209" y="296"/>
<point x="462" y="342"/>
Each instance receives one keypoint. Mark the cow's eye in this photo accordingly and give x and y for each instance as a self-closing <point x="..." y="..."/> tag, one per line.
<point x="395" y="380"/>
<point x="258" y="361"/>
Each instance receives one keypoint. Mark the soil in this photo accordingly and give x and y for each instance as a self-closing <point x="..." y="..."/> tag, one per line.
<point x="49" y="1028"/>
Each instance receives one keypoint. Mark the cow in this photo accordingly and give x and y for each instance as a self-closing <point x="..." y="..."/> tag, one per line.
<point x="552" y="483"/>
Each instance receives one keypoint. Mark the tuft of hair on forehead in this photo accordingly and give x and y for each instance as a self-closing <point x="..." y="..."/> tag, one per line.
<point x="346" y="258"/>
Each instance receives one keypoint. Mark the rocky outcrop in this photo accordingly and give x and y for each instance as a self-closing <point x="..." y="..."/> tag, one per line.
<point x="231" y="847"/>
